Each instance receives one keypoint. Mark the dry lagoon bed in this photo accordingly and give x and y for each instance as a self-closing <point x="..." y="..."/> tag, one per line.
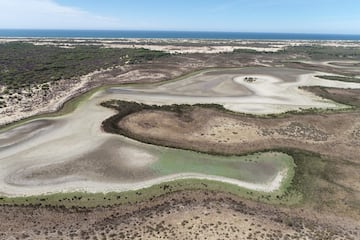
<point x="72" y="152"/>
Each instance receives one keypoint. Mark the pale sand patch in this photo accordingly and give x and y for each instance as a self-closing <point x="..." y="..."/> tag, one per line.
<point x="173" y="46"/>
<point x="194" y="49"/>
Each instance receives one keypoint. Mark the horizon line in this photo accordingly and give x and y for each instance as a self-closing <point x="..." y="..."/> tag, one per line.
<point x="189" y="31"/>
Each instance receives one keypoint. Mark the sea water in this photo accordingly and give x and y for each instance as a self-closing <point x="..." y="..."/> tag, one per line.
<point x="170" y="34"/>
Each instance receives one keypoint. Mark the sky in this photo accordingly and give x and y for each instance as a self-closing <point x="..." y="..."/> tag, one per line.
<point x="281" y="16"/>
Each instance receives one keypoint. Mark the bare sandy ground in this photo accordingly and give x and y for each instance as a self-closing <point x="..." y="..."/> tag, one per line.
<point x="191" y="49"/>
<point x="35" y="105"/>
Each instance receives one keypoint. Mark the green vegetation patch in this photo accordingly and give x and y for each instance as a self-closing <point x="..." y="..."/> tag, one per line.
<point x="24" y="65"/>
<point x="315" y="180"/>
<point x="318" y="52"/>
<point x="310" y="51"/>
<point x="255" y="168"/>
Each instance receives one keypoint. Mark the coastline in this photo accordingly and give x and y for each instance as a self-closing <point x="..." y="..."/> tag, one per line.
<point x="163" y="34"/>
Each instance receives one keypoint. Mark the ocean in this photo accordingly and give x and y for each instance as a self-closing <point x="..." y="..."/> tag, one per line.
<point x="171" y="34"/>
